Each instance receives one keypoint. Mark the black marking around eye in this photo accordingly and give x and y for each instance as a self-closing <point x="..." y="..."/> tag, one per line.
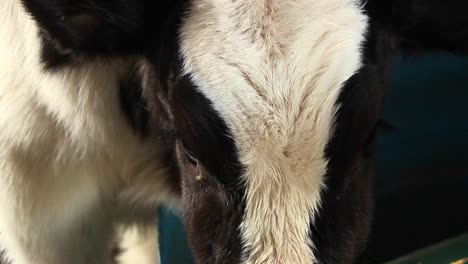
<point x="191" y="158"/>
<point x="205" y="133"/>
<point x="213" y="200"/>
<point x="213" y="193"/>
<point x="342" y="225"/>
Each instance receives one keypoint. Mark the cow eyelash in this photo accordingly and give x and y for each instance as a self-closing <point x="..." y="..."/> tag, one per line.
<point x="191" y="158"/>
<point x="188" y="155"/>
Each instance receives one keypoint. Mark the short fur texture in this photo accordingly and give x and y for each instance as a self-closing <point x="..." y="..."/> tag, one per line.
<point x="71" y="167"/>
<point x="258" y="119"/>
<point x="283" y="65"/>
<point x="231" y="50"/>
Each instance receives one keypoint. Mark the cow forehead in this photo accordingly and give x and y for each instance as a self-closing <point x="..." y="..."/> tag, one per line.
<point x="273" y="70"/>
<point x="271" y="62"/>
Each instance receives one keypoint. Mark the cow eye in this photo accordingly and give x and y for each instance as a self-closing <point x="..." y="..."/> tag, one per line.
<point x="185" y="155"/>
<point x="190" y="158"/>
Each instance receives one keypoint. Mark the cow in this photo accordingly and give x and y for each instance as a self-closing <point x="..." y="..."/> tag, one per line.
<point x="256" y="118"/>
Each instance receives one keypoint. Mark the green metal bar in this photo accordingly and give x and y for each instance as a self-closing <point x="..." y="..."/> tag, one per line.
<point x="453" y="251"/>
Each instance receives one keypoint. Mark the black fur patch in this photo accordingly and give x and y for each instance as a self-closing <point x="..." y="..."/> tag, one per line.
<point x="52" y="54"/>
<point x="340" y="231"/>
<point x="74" y="29"/>
<point x="213" y="206"/>
<point x="343" y="224"/>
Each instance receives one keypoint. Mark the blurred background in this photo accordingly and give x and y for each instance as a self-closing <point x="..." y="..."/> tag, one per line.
<point x="422" y="177"/>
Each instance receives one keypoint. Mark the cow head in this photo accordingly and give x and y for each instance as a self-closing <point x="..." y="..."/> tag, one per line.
<point x="275" y="156"/>
<point x="272" y="129"/>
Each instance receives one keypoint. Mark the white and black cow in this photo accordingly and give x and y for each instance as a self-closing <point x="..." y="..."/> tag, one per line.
<point x="256" y="117"/>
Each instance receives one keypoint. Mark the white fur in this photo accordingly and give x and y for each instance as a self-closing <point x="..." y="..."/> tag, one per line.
<point x="69" y="163"/>
<point x="139" y="246"/>
<point x="274" y="70"/>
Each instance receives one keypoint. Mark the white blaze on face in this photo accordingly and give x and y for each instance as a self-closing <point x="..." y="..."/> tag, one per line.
<point x="274" y="70"/>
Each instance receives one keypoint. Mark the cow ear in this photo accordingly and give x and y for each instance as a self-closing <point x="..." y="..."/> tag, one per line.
<point x="156" y="89"/>
<point x="100" y="27"/>
<point x="145" y="102"/>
